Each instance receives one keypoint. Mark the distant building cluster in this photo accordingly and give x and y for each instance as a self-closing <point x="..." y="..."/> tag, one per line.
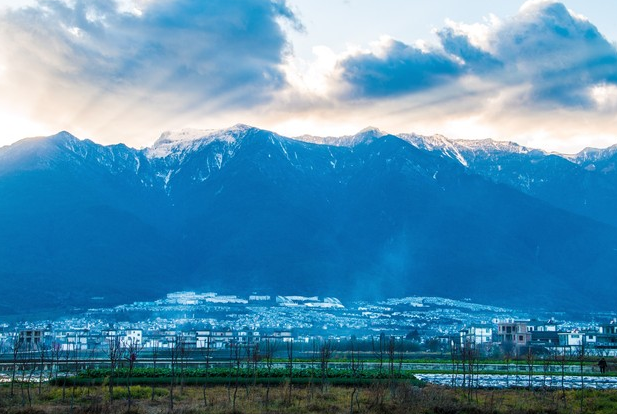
<point x="310" y="302"/>
<point x="102" y="340"/>
<point x="212" y="321"/>
<point x="192" y="298"/>
<point x="159" y="334"/>
<point x="518" y="336"/>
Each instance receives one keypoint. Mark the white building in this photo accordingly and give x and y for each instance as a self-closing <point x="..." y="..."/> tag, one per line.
<point x="74" y="340"/>
<point x="577" y="338"/>
<point x="541" y="326"/>
<point x="476" y="336"/>
<point x="133" y="337"/>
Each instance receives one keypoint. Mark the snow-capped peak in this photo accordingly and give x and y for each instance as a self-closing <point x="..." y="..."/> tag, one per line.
<point x="462" y="149"/>
<point x="363" y="136"/>
<point x="187" y="134"/>
<point x="488" y="145"/>
<point x="592" y="154"/>
<point x="191" y="139"/>
<point x="436" y="143"/>
<point x="374" y="131"/>
<point x="63" y="135"/>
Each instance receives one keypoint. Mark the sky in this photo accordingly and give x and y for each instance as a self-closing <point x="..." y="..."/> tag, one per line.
<point x="541" y="73"/>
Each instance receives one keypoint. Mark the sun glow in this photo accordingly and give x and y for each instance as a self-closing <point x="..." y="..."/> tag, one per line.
<point x="16" y="126"/>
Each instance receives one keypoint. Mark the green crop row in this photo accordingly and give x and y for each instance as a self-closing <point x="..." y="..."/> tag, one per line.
<point x="244" y="372"/>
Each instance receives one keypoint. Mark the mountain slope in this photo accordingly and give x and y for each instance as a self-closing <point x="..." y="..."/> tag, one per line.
<point x="585" y="183"/>
<point x="244" y="209"/>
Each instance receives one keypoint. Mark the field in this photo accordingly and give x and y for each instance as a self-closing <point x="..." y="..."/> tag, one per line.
<point x="272" y="386"/>
<point x="306" y="395"/>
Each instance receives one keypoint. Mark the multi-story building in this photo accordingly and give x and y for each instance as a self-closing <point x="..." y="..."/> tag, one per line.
<point x="73" y="339"/>
<point x="577" y="340"/>
<point x="513" y="332"/>
<point x="30" y="339"/>
<point x="476" y="336"/>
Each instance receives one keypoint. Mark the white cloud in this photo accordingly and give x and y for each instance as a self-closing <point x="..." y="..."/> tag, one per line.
<point x="124" y="71"/>
<point x="479" y="34"/>
<point x="605" y="96"/>
<point x="312" y="78"/>
<point x="140" y="61"/>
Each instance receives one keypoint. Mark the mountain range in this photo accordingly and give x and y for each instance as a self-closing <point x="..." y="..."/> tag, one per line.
<point x="367" y="216"/>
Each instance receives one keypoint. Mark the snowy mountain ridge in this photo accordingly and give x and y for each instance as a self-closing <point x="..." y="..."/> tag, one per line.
<point x="366" y="135"/>
<point x="590" y="154"/>
<point x="178" y="142"/>
<point x="369" y="214"/>
<point x="174" y="142"/>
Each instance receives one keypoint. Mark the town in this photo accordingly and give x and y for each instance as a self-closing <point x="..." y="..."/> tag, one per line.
<point x="419" y="324"/>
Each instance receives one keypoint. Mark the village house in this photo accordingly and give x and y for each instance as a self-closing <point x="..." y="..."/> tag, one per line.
<point x="513" y="332"/>
<point x="476" y="337"/>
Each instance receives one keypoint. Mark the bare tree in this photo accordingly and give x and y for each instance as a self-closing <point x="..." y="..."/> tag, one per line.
<point x="391" y="358"/>
<point x="530" y="365"/>
<point x="155" y="357"/>
<point x="314" y="351"/>
<point x="249" y="361"/>
<point x="56" y="354"/>
<point x="325" y="353"/>
<point x="252" y="359"/>
<point x="67" y="358"/>
<point x="206" y="353"/>
<point x="33" y="365"/>
<point x="92" y="347"/>
<point x="174" y="355"/>
<point x="561" y="359"/>
<point x="379" y="350"/>
<point x="355" y="367"/>
<point x="237" y="358"/>
<point x="182" y="354"/>
<point x="76" y="368"/>
<point x="230" y="370"/>
<point x="290" y="361"/>
<point x="545" y="367"/>
<point x="581" y="357"/>
<point x="269" y="357"/>
<point x="454" y="358"/>
<point x="42" y="356"/>
<point x="133" y="348"/>
<point x="24" y="351"/>
<point x="114" y="355"/>
<point x="256" y="358"/>
<point x="507" y="357"/>
<point x="401" y="357"/>
<point x="16" y="345"/>
<point x="469" y="359"/>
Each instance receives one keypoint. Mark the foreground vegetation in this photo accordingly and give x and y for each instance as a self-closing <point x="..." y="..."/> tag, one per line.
<point x="253" y="381"/>
<point x="379" y="396"/>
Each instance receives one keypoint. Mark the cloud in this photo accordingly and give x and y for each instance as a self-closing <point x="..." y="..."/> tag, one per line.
<point x="474" y="58"/>
<point x="397" y="69"/>
<point x="125" y="70"/>
<point x="561" y="55"/>
<point x="554" y="56"/>
<point x="189" y="51"/>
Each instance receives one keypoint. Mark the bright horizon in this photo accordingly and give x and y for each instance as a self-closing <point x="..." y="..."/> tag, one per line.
<point x="540" y="73"/>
